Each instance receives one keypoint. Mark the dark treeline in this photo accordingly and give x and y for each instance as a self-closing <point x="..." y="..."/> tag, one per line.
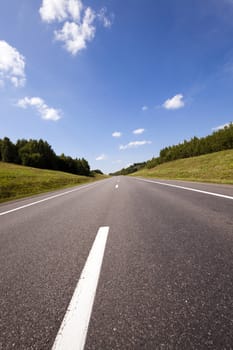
<point x="218" y="141"/>
<point x="39" y="154"/>
<point x="131" y="169"/>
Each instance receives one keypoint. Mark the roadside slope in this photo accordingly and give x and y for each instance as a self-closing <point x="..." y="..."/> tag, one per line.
<point x="215" y="167"/>
<point x="18" y="181"/>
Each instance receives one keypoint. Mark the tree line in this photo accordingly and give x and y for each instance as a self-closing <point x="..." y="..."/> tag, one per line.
<point x="218" y="141"/>
<point x="39" y="154"/>
<point x="129" y="170"/>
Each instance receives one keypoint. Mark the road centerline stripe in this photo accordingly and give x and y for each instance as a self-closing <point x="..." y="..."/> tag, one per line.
<point x="116" y="186"/>
<point x="187" y="188"/>
<point x="73" y="330"/>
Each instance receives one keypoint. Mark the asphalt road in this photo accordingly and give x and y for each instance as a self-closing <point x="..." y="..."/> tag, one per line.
<point x="166" y="280"/>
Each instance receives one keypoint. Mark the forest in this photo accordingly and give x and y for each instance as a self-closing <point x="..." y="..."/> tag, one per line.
<point x="39" y="154"/>
<point x="218" y="141"/>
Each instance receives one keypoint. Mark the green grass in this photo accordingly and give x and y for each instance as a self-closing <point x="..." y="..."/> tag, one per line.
<point x="215" y="167"/>
<point x="19" y="181"/>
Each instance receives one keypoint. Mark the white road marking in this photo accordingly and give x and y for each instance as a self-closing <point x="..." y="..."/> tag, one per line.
<point x="46" y="199"/>
<point x="116" y="186"/>
<point x="188" y="188"/>
<point x="73" y="330"/>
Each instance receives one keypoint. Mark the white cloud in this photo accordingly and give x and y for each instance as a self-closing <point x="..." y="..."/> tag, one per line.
<point x="101" y="157"/>
<point x="75" y="36"/>
<point x="144" y="108"/>
<point x="135" y="144"/>
<point x="12" y="65"/>
<point x="42" y="108"/>
<point x="138" y="131"/>
<point x="104" y="19"/>
<point x="220" y="127"/>
<point x="78" y="22"/>
<point x="60" y="10"/>
<point x="116" y="134"/>
<point x="174" y="102"/>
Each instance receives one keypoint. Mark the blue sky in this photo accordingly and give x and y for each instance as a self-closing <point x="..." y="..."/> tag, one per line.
<point x="115" y="81"/>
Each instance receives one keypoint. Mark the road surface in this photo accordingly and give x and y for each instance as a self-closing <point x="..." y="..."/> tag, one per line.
<point x="162" y="266"/>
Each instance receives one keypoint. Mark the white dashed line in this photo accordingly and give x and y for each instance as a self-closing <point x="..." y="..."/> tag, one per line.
<point x="116" y="186"/>
<point x="73" y="330"/>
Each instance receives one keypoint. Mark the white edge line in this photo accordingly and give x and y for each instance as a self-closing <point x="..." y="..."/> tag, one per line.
<point x="73" y="330"/>
<point x="186" y="188"/>
<point x="47" y="198"/>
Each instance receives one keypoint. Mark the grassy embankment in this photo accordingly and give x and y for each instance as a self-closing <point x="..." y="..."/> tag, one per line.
<point x="215" y="167"/>
<point x="18" y="181"/>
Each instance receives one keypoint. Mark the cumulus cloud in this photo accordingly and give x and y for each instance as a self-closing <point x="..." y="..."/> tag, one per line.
<point x="138" y="131"/>
<point x="116" y="134"/>
<point x="101" y="157"/>
<point x="12" y="65"/>
<point x="60" y="10"/>
<point x="221" y="127"/>
<point x="75" y="36"/>
<point x="135" y="144"/>
<point x="144" y="108"/>
<point x="41" y="107"/>
<point x="78" y="22"/>
<point x="174" y="102"/>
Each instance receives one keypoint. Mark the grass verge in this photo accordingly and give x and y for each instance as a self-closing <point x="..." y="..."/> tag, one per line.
<point x="18" y="181"/>
<point x="215" y="167"/>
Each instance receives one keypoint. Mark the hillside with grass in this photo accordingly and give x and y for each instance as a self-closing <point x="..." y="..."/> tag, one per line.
<point x="17" y="181"/>
<point x="208" y="159"/>
<point x="215" y="167"/>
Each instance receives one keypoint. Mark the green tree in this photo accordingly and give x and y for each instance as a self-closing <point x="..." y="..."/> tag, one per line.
<point x="8" y="151"/>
